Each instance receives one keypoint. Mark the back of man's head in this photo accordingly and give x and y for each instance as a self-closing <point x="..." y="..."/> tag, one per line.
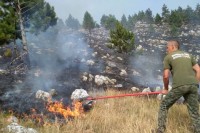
<point x="175" y="43"/>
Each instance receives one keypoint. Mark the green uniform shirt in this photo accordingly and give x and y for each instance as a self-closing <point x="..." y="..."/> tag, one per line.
<point x="180" y="64"/>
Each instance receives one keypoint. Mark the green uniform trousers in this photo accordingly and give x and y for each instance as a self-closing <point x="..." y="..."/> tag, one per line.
<point x="190" y="94"/>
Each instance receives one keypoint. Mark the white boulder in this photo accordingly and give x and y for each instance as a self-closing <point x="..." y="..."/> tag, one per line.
<point x="123" y="73"/>
<point x="119" y="58"/>
<point x="84" y="78"/>
<point x="100" y="80"/>
<point x="91" y="77"/>
<point x="118" y="86"/>
<point x="43" y="95"/>
<point x="146" y="90"/>
<point x="90" y="62"/>
<point x="135" y="89"/>
<point x="16" y="128"/>
<point x="12" y="119"/>
<point x="78" y="94"/>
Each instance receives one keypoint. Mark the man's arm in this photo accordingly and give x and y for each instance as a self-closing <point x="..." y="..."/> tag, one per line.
<point x="197" y="70"/>
<point x="166" y="80"/>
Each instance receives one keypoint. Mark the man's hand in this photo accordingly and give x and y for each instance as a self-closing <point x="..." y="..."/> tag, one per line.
<point x="197" y="70"/>
<point x="164" y="91"/>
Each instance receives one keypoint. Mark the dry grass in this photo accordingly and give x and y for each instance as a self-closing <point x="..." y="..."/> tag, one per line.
<point x="120" y="115"/>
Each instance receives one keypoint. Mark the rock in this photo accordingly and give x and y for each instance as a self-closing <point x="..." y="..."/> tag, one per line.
<point x="52" y="92"/>
<point x="12" y="119"/>
<point x="3" y="71"/>
<point x="111" y="64"/>
<point x="100" y="80"/>
<point x="119" y="58"/>
<point x="108" y="69"/>
<point x="19" y="81"/>
<point x="79" y="94"/>
<point x="37" y="73"/>
<point x="16" y="128"/>
<point x="104" y="57"/>
<point x="94" y="54"/>
<point x="139" y="48"/>
<point x="90" y="62"/>
<point x="123" y="73"/>
<point x="43" y="95"/>
<point x="136" y="73"/>
<point x="135" y="89"/>
<point x="146" y="90"/>
<point x="113" y="81"/>
<point x="91" y="77"/>
<point x="163" y="41"/>
<point x="118" y="86"/>
<point x="84" y="78"/>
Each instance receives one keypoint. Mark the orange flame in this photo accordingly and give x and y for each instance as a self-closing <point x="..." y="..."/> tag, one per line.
<point x="59" y="108"/>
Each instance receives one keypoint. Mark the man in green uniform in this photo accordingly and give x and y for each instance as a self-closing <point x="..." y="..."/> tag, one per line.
<point x="186" y="76"/>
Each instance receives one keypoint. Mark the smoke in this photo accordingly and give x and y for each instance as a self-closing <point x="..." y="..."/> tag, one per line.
<point x="149" y="67"/>
<point x="58" y="58"/>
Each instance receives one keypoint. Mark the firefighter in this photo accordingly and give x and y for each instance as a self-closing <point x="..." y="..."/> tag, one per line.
<point x="185" y="81"/>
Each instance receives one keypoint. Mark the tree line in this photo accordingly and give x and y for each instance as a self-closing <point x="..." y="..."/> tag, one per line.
<point x="177" y="18"/>
<point x="20" y="16"/>
<point x="38" y="15"/>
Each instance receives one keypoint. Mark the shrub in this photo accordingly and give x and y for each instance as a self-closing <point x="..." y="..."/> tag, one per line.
<point x="122" y="39"/>
<point x="8" y="52"/>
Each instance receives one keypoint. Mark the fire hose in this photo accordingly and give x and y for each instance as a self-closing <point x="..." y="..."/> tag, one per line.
<point x="124" y="95"/>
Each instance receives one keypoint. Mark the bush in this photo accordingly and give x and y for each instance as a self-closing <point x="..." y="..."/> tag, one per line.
<point x="122" y="39"/>
<point x="8" y="53"/>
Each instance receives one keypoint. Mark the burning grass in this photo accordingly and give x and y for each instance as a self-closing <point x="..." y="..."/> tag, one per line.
<point x="59" y="108"/>
<point x="119" y="115"/>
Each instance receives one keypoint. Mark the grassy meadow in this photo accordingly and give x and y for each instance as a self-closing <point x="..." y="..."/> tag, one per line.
<point x="117" y="115"/>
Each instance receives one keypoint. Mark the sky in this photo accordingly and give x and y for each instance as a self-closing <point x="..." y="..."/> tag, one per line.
<point x="97" y="8"/>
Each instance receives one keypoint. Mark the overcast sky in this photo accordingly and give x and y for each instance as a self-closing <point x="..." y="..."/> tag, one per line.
<point x="97" y="8"/>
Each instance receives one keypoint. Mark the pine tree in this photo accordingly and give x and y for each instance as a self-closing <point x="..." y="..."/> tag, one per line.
<point x="72" y="23"/>
<point x="111" y="22"/>
<point x="7" y="23"/>
<point x="122" y="39"/>
<point x="141" y="16"/>
<point x="197" y="14"/>
<point x="158" y="19"/>
<point x="148" y="16"/>
<point x="43" y="18"/>
<point x="88" y="22"/>
<point x="190" y="16"/>
<point x="103" y="20"/>
<point x="175" y="19"/>
<point x="124" y="21"/>
<point x="165" y="13"/>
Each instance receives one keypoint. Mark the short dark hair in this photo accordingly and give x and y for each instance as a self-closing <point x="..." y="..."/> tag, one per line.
<point x="176" y="43"/>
